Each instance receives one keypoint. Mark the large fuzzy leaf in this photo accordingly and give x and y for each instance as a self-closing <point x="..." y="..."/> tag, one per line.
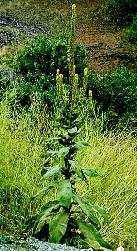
<point x="64" y="194"/>
<point x="46" y="211"/>
<point x="46" y="189"/>
<point x="48" y="208"/>
<point x="78" y="170"/>
<point x="52" y="171"/>
<point x="90" y="172"/>
<point x="47" y="168"/>
<point x="80" y="144"/>
<point x="57" y="227"/>
<point x="52" y="139"/>
<point x="93" y="237"/>
<point x="62" y="152"/>
<point x="74" y="131"/>
<point x="101" y="211"/>
<point x="87" y="209"/>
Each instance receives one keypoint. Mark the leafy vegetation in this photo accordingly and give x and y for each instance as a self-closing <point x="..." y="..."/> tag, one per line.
<point x="122" y="9"/>
<point x="131" y="32"/>
<point x="125" y="12"/>
<point x="38" y="62"/>
<point x="116" y="94"/>
<point x="5" y="238"/>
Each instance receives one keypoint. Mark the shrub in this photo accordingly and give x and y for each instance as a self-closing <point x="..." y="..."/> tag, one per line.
<point x="38" y="62"/>
<point x="122" y="9"/>
<point x="116" y="92"/>
<point x="131" y="32"/>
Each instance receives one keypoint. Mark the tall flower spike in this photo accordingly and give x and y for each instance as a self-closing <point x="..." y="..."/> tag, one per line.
<point x="90" y="97"/>
<point x="76" y="83"/>
<point x="71" y="54"/>
<point x="74" y="87"/>
<point x="60" y="87"/>
<point x="85" y="80"/>
<point x="57" y="83"/>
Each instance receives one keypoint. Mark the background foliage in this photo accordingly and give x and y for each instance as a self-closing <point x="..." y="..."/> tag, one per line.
<point x="123" y="9"/>
<point x="116" y="94"/>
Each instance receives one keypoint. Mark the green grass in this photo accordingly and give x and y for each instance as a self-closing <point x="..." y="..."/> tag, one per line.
<point x="115" y="158"/>
<point x="20" y="164"/>
<point x="113" y="155"/>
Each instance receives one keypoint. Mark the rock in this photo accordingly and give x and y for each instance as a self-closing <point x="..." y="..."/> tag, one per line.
<point x="7" y="37"/>
<point x="120" y="249"/>
<point x="8" y="73"/>
<point x="32" y="244"/>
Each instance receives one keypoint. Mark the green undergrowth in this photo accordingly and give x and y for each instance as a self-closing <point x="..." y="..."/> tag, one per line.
<point x="21" y="162"/>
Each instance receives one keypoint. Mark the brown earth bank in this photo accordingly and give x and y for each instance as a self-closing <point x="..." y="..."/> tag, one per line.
<point x="20" y="20"/>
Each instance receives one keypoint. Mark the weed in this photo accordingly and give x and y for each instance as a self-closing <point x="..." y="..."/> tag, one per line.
<point x="68" y="218"/>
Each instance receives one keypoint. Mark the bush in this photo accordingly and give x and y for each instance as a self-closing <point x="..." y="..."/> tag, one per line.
<point x="131" y="32"/>
<point x="116" y="93"/>
<point x="122" y="9"/>
<point x="38" y="62"/>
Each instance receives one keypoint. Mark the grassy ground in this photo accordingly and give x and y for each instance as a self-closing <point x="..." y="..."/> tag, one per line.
<point x="113" y="155"/>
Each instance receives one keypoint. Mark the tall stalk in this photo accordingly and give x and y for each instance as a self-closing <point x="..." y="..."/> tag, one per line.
<point x="69" y="218"/>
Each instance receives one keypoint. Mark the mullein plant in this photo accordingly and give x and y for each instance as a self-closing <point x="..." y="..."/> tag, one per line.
<point x="69" y="218"/>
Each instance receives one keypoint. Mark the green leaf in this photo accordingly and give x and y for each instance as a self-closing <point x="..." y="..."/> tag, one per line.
<point x="64" y="194"/>
<point x="87" y="209"/>
<point x="90" y="172"/>
<point x="73" y="130"/>
<point x="52" y="171"/>
<point x="52" y="139"/>
<point x="80" y="144"/>
<point x="52" y="152"/>
<point x="93" y="237"/>
<point x="48" y="208"/>
<point x="78" y="170"/>
<point x="46" y="189"/>
<point x="46" y="211"/>
<point x="57" y="227"/>
<point x="101" y="211"/>
<point x="62" y="152"/>
<point x="46" y="169"/>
